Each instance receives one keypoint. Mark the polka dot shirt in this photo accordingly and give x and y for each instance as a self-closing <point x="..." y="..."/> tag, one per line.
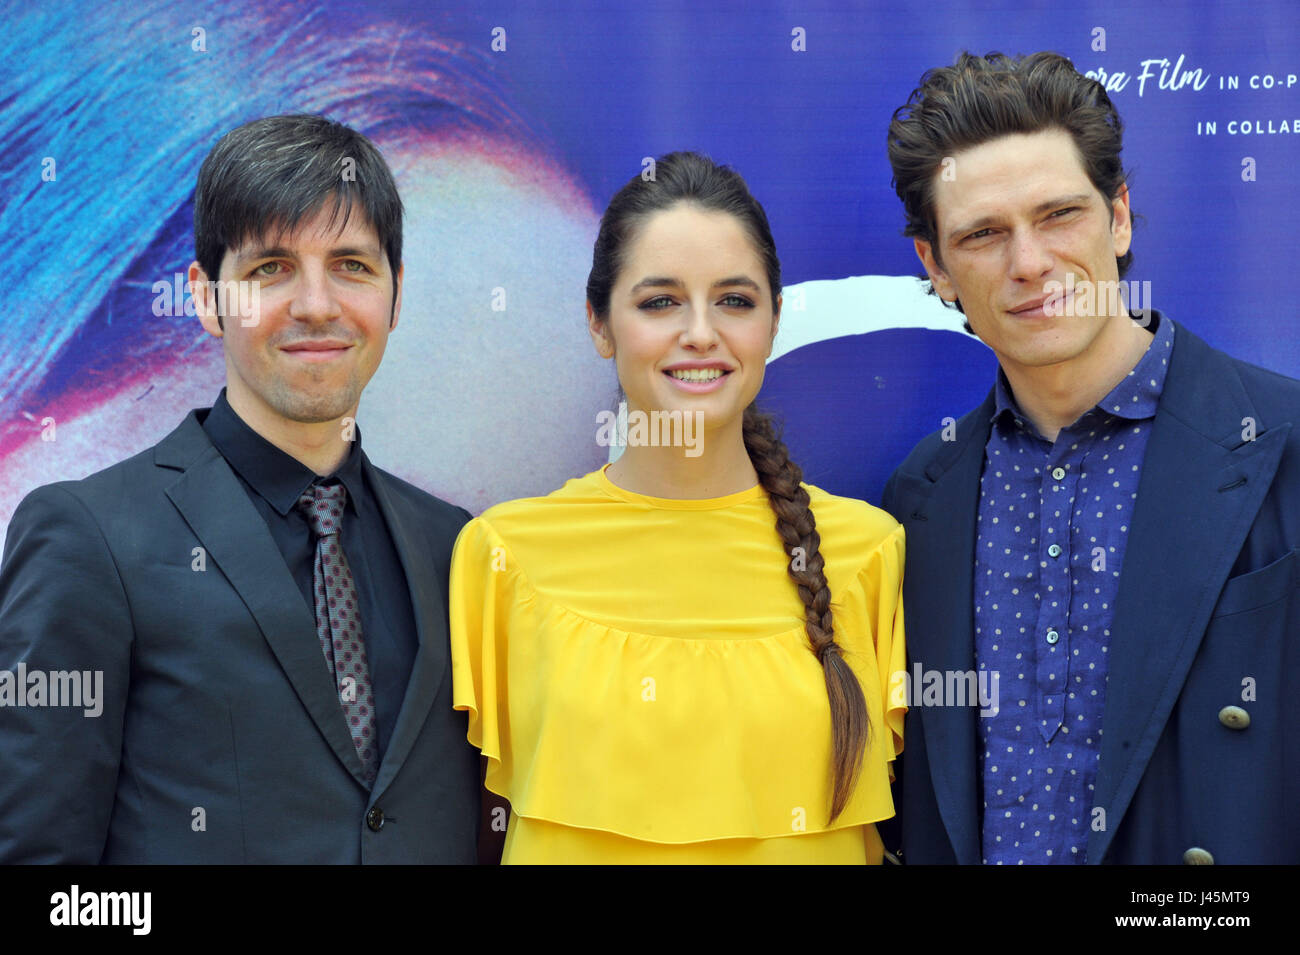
<point x="1052" y="528"/>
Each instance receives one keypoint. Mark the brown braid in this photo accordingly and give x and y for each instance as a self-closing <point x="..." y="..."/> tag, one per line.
<point x="782" y="479"/>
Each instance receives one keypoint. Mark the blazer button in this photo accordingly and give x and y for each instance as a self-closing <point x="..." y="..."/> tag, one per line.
<point x="1234" y="717"/>
<point x="1197" y="856"/>
<point x="375" y="819"/>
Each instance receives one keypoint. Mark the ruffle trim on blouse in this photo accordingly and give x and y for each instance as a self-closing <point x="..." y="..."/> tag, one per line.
<point x="657" y="738"/>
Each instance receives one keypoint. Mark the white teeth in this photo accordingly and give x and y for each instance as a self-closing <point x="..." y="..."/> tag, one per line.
<point x="697" y="374"/>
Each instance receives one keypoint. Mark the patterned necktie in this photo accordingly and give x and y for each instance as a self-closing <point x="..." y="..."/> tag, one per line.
<point x="338" y="619"/>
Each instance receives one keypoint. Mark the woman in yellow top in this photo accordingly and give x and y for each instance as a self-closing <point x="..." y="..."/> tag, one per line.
<point x="669" y="659"/>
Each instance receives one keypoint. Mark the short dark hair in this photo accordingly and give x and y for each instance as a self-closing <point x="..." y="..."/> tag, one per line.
<point x="276" y="172"/>
<point x="979" y="99"/>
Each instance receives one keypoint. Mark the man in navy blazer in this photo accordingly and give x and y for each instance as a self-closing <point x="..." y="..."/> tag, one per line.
<point x="1110" y="543"/>
<point x="168" y="694"/>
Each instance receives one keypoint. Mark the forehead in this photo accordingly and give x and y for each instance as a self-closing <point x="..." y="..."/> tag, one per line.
<point x="327" y="228"/>
<point x="1007" y="175"/>
<point x="686" y="239"/>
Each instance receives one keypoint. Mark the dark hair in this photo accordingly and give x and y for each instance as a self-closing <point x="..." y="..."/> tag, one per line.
<point x="692" y="178"/>
<point x="979" y="99"/>
<point x="277" y="172"/>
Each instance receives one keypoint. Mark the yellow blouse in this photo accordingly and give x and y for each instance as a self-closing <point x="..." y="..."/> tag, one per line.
<point x="637" y="673"/>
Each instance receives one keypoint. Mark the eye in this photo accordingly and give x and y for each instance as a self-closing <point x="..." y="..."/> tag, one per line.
<point x="656" y="303"/>
<point x="360" y="266"/>
<point x="261" y="269"/>
<point x="980" y="234"/>
<point x="733" y="300"/>
<point x="1065" y="211"/>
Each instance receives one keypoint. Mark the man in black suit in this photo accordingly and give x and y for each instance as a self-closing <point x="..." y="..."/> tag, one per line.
<point x="264" y="610"/>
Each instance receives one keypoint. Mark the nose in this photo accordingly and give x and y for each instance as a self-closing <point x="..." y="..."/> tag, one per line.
<point x="1030" y="257"/>
<point x="699" y="332"/>
<point x="313" y="296"/>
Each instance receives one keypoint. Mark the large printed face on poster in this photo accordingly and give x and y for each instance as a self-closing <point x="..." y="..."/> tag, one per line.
<point x="509" y="128"/>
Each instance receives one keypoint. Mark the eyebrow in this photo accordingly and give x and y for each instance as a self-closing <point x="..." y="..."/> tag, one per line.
<point x="1042" y="207"/>
<point x="657" y="281"/>
<point x="283" y="252"/>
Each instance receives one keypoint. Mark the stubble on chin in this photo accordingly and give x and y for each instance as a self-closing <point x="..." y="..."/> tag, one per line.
<point x="317" y="406"/>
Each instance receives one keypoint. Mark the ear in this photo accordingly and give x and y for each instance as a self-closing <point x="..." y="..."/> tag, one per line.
<point x="600" y="335"/>
<point x="397" y="297"/>
<point x="1121" y="226"/>
<point x="938" y="277"/>
<point x="205" y="300"/>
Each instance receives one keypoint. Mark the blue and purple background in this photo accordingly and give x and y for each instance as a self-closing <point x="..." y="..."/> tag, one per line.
<point x="505" y="158"/>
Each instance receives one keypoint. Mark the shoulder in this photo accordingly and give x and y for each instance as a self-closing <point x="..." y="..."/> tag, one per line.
<point x="119" y="489"/>
<point x="854" y="536"/>
<point x="1270" y="389"/>
<point x="546" y="524"/>
<point x="549" y="513"/>
<point x="850" y="519"/>
<point x="947" y="440"/>
<point x="430" y="507"/>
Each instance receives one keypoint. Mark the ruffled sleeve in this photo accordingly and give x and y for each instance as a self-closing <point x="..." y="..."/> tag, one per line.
<point x="666" y="739"/>
<point x="479" y="608"/>
<point x="869" y="625"/>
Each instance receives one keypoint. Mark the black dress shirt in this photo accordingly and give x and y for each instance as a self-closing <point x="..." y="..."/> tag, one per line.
<point x="274" y="481"/>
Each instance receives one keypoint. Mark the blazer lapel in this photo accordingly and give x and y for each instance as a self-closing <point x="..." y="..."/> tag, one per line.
<point x="423" y="575"/>
<point x="215" y="505"/>
<point x="1202" y="484"/>
<point x="939" y="510"/>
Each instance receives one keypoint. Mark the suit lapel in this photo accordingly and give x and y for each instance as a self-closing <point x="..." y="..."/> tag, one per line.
<point x="1202" y="484"/>
<point x="939" y="510"/>
<point x="237" y="541"/>
<point x="423" y="575"/>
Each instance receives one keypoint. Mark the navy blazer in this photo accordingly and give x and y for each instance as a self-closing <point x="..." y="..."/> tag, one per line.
<point x="1207" y="617"/>
<point x="221" y="738"/>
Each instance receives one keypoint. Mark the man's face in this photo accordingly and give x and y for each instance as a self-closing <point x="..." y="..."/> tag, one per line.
<point x="1014" y="215"/>
<point x="326" y="302"/>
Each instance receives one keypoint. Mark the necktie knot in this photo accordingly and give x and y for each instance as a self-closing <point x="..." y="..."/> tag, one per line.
<point x="323" y="506"/>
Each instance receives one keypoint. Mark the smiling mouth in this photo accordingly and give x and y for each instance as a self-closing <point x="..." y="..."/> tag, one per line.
<point x="316" y="354"/>
<point x="697" y="374"/>
<point x="1056" y="303"/>
<point x="697" y="380"/>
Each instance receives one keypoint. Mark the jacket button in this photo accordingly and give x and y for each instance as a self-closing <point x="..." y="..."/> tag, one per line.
<point x="1197" y="856"/>
<point x="375" y="819"/>
<point x="1234" y="717"/>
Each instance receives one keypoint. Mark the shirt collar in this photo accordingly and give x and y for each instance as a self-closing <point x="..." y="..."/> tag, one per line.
<point x="1137" y="395"/>
<point x="278" y="477"/>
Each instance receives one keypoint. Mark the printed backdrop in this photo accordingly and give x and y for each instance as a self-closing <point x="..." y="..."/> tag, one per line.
<point x="509" y="127"/>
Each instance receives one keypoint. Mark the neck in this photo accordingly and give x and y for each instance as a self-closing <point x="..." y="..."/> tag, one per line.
<point x="1055" y="396"/>
<point x="320" y="445"/>
<point x="722" y="467"/>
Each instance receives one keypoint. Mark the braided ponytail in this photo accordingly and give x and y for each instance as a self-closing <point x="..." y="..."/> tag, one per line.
<point x="782" y="479"/>
<point x="690" y="177"/>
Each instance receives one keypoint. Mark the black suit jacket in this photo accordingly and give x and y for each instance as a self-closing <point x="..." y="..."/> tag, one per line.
<point x="221" y="739"/>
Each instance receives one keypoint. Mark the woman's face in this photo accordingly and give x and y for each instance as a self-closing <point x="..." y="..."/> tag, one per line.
<point x="691" y="317"/>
